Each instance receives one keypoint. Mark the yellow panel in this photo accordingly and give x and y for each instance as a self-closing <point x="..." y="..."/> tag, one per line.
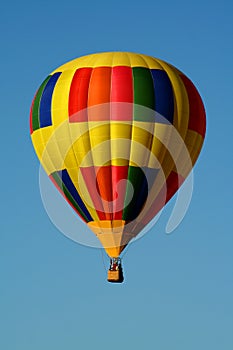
<point x="60" y="98"/>
<point x="38" y="143"/>
<point x="143" y="136"/>
<point x="84" y="159"/>
<point x="77" y="180"/>
<point x="79" y="133"/>
<point x="160" y="143"/>
<point x="74" y="64"/>
<point x="81" y="128"/>
<point x="57" y="145"/>
<point x="120" y="162"/>
<point x="141" y="141"/>
<point x="120" y="130"/>
<point x="196" y="149"/>
<point x="84" y="194"/>
<point x="52" y="152"/>
<point x="188" y="156"/>
<point x="62" y="132"/>
<point x="47" y="163"/>
<point x="110" y="144"/>
<point x="73" y="174"/>
<point x="192" y="139"/>
<point x="45" y="133"/>
<point x="102" y="59"/>
<point x="158" y="152"/>
<point x="110" y="59"/>
<point x="100" y="144"/>
<point x="70" y="160"/>
<point x="100" y="157"/>
<point x="167" y="164"/>
<point x="121" y="59"/>
<point x="99" y="134"/>
<point x="150" y="62"/>
<point x="167" y="146"/>
<point x="82" y="144"/>
<point x="41" y="151"/>
<point x="112" y="252"/>
<point x="181" y="117"/>
<point x="139" y="60"/>
<point x="66" y="152"/>
<point x="112" y="141"/>
<point x="120" y="151"/>
<point x="41" y="139"/>
<point x="110" y="234"/>
<point x="163" y="132"/>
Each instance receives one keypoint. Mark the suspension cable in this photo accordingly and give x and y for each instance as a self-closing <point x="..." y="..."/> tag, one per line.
<point x="102" y="254"/>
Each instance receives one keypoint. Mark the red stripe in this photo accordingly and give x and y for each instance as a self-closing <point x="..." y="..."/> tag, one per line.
<point x="30" y="118"/>
<point x="104" y="181"/>
<point x="119" y="182"/>
<point x="78" y="95"/>
<point x="197" y="118"/>
<point x="122" y="84"/>
<point x="95" y="88"/>
<point x="89" y="176"/>
<point x="112" y="182"/>
<point x="107" y="186"/>
<point x="122" y="91"/>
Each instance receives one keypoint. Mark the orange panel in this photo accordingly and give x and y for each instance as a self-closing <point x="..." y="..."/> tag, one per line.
<point x="99" y="92"/>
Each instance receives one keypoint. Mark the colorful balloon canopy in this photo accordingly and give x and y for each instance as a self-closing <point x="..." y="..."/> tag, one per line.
<point x="117" y="133"/>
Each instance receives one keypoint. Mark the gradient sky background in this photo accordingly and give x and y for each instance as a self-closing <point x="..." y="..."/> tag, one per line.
<point x="179" y="288"/>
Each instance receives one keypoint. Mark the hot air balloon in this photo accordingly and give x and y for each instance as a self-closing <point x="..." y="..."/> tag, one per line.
<point x="117" y="133"/>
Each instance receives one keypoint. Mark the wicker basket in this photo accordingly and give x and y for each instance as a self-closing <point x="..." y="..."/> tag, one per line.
<point x="115" y="276"/>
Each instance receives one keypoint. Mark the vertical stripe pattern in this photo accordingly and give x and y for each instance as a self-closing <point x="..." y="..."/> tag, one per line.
<point x="45" y="101"/>
<point x="123" y="105"/>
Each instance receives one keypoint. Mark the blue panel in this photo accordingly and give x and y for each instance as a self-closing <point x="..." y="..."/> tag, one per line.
<point x="164" y="99"/>
<point x="145" y="187"/>
<point x="45" y="101"/>
<point x="142" y="180"/>
<point x="66" y="180"/>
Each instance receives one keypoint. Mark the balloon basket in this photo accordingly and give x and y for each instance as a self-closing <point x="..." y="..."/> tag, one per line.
<point x="115" y="272"/>
<point x="115" y="276"/>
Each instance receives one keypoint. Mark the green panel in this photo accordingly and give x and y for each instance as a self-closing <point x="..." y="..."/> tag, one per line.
<point x="61" y="185"/>
<point x="138" y="180"/>
<point x="36" y="105"/>
<point x="143" y="94"/>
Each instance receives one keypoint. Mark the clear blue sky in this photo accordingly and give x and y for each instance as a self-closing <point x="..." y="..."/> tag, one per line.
<point x="179" y="287"/>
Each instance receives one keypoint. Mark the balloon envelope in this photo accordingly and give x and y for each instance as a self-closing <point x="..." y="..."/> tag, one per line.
<point x="117" y="133"/>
